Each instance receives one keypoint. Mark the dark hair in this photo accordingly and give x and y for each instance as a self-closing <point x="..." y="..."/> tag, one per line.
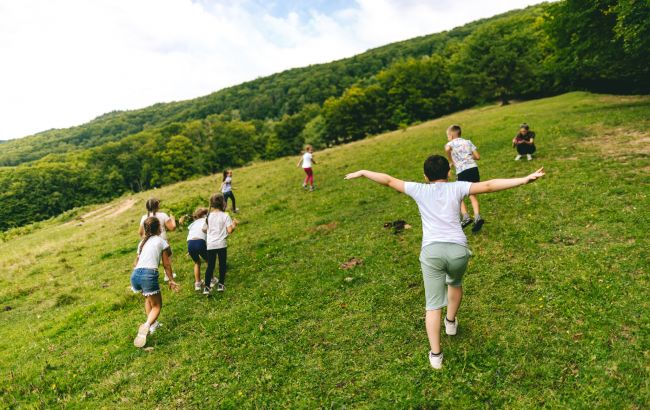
<point x="436" y="167"/>
<point x="199" y="213"/>
<point x="225" y="173"/>
<point x="152" y="206"/>
<point x="455" y="128"/>
<point x="218" y="201"/>
<point x="151" y="228"/>
<point x="524" y="126"/>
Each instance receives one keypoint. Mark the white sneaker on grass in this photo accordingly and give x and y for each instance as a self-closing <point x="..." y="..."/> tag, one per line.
<point x="155" y="326"/>
<point x="530" y="157"/>
<point x="220" y="287"/>
<point x="436" y="361"/>
<point x="141" y="338"/>
<point x="518" y="157"/>
<point x="214" y="282"/>
<point x="451" y="327"/>
<point x="166" y="278"/>
<point x="197" y="286"/>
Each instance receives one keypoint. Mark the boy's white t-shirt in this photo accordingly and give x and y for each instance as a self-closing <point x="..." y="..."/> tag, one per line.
<point x="150" y="254"/>
<point x="306" y="160"/>
<point x="217" y="230"/>
<point x="439" y="205"/>
<point x="162" y="217"/>
<point x="196" y="230"/>
<point x="461" y="154"/>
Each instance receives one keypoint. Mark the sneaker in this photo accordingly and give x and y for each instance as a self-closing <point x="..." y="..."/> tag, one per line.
<point x="155" y="326"/>
<point x="478" y="224"/>
<point x="466" y="222"/>
<point x="304" y="186"/>
<point x="436" y="361"/>
<point x="166" y="278"/>
<point x="451" y="327"/>
<point x="220" y="287"/>
<point x="207" y="290"/>
<point x="518" y="157"/>
<point x="141" y="338"/>
<point x="311" y="189"/>
<point x="236" y="211"/>
<point x="213" y="282"/>
<point x="530" y="157"/>
<point x="197" y="286"/>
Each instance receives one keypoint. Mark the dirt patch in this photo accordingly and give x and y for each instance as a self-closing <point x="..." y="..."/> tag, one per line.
<point x="351" y="263"/>
<point x="324" y="228"/>
<point x="105" y="212"/>
<point x="619" y="143"/>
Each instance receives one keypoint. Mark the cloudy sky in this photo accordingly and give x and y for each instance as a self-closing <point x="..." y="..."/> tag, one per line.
<point x="64" y="62"/>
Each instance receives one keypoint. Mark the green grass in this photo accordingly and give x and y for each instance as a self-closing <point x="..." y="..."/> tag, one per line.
<point x="556" y="309"/>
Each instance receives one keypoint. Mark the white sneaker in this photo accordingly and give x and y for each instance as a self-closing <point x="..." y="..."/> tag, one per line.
<point x="141" y="338"/>
<point x="197" y="285"/>
<point x="155" y="326"/>
<point x="167" y="279"/>
<point x="518" y="157"/>
<point x="530" y="157"/>
<point x="214" y="282"/>
<point x="451" y="327"/>
<point x="220" y="287"/>
<point x="436" y="361"/>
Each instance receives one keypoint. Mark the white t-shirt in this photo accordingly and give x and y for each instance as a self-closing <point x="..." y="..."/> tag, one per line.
<point x="439" y="205"/>
<point x="217" y="230"/>
<point x="461" y="154"/>
<point x="163" y="218"/>
<point x="227" y="185"/>
<point x="306" y="160"/>
<point x="150" y="254"/>
<point x="196" y="230"/>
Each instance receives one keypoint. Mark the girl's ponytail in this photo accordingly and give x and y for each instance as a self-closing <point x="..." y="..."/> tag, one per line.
<point x="151" y="228"/>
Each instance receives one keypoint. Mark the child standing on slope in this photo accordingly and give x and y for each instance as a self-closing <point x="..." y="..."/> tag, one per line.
<point x="167" y="223"/>
<point x="463" y="155"/>
<point x="444" y="255"/>
<point x="226" y="189"/>
<point x="218" y="226"/>
<point x="307" y="160"/>
<point x="196" y="246"/>
<point x="144" y="278"/>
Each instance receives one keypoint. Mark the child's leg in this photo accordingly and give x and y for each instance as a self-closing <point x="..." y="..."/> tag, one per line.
<point x="223" y="252"/>
<point x="463" y="208"/>
<point x="232" y="198"/>
<point x="147" y="306"/>
<point x="209" y="271"/>
<point x="432" y="323"/>
<point x="454" y="296"/>
<point x="474" y="200"/>
<point x="304" y="183"/>
<point x="311" y="177"/>
<point x="197" y="272"/>
<point x="155" y="304"/>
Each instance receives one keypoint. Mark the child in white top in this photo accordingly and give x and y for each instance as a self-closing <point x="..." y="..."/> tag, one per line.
<point x="218" y="225"/>
<point x="196" y="244"/>
<point x="144" y="279"/>
<point x="307" y="160"/>
<point x="167" y="223"/>
<point x="444" y="254"/>
<point x="226" y="189"/>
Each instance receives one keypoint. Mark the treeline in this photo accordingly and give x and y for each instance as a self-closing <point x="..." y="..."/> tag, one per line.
<point x="543" y="50"/>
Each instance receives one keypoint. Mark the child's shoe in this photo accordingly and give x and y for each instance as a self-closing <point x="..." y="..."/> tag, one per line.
<point x="518" y="157"/>
<point x="213" y="282"/>
<point x="451" y="327"/>
<point x="155" y="326"/>
<point x="311" y="189"/>
<point x="466" y="221"/>
<point x="435" y="360"/>
<point x="197" y="286"/>
<point x="530" y="157"/>
<point x="220" y="287"/>
<point x="166" y="278"/>
<point x="207" y="290"/>
<point x="478" y="224"/>
<point x="141" y="338"/>
<point x="304" y="186"/>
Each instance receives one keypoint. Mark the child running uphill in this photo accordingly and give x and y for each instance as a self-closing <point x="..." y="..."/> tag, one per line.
<point x="218" y="226"/>
<point x="307" y="160"/>
<point x="444" y="255"/>
<point x="144" y="278"/>
<point x="167" y="223"/>
<point x="226" y="189"/>
<point x="463" y="155"/>
<point x="196" y="246"/>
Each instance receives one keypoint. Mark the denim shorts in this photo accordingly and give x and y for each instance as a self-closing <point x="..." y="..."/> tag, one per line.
<point x="443" y="264"/>
<point x="145" y="281"/>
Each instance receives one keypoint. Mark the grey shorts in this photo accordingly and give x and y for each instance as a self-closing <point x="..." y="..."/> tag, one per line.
<point x="442" y="264"/>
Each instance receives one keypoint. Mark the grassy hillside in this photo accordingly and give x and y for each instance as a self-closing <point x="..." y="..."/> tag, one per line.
<point x="555" y="314"/>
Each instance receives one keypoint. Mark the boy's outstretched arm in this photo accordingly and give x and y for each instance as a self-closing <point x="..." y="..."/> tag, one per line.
<point x="383" y="179"/>
<point x="495" y="185"/>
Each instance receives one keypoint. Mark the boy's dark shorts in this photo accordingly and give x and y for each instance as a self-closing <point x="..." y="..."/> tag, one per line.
<point x="469" y="175"/>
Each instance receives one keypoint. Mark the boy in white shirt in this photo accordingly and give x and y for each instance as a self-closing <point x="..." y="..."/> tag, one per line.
<point x="444" y="255"/>
<point x="307" y="160"/>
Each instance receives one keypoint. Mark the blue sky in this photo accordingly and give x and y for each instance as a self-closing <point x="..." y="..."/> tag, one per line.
<point x="68" y="61"/>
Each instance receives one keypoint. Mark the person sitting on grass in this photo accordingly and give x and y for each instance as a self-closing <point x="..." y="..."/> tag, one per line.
<point x="524" y="141"/>
<point x="444" y="254"/>
<point x="144" y="278"/>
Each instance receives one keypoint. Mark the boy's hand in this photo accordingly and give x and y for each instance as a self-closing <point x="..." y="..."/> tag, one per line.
<point x="174" y="286"/>
<point x="535" y="175"/>
<point x="354" y="175"/>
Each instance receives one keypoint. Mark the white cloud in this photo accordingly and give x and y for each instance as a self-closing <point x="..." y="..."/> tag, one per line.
<point x="66" y="61"/>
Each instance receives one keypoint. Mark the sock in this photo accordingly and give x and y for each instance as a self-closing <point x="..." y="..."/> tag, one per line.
<point x="477" y="217"/>
<point x="450" y="321"/>
<point x="465" y="216"/>
<point x="435" y="354"/>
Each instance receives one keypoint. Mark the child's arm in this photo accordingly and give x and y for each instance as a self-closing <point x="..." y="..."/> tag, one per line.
<point x="476" y="155"/>
<point x="495" y="185"/>
<point x="170" y="224"/>
<point x="448" y="152"/>
<point x="167" y="264"/>
<point x="135" y="263"/>
<point x="232" y="226"/>
<point x="383" y="179"/>
<point x="299" y="162"/>
<point x="141" y="231"/>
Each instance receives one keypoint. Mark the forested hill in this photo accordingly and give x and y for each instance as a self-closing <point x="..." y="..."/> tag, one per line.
<point x="539" y="51"/>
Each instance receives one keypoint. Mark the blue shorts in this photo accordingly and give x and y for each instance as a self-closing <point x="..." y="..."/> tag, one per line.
<point x="145" y="281"/>
<point x="197" y="250"/>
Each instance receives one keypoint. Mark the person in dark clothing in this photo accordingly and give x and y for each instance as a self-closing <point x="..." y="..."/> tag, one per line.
<point x="524" y="141"/>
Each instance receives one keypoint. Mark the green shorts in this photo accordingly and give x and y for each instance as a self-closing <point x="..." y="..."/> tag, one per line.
<point x="442" y="264"/>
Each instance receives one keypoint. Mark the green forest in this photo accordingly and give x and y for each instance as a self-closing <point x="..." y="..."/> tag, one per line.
<point x="599" y="46"/>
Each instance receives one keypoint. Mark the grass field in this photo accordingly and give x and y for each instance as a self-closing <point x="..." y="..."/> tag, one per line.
<point x="556" y="308"/>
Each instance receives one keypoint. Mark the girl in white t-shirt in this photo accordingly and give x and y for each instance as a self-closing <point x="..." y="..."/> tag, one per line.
<point x="307" y="160"/>
<point x="144" y="279"/>
<point x="167" y="222"/>
<point x="217" y="227"/>
<point x="226" y="189"/>
<point x="196" y="243"/>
